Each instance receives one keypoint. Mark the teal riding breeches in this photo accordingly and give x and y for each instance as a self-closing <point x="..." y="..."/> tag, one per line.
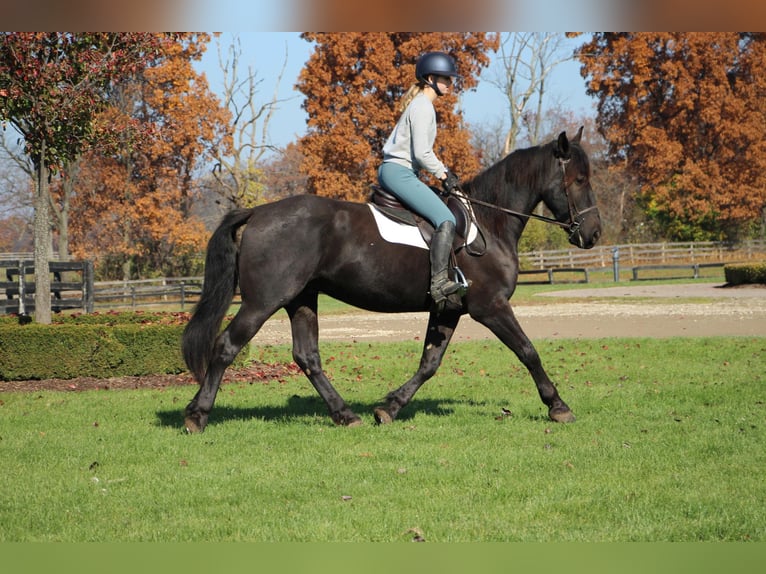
<point x="411" y="191"/>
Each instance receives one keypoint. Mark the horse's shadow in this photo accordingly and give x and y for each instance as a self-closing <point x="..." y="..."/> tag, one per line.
<point x="306" y="408"/>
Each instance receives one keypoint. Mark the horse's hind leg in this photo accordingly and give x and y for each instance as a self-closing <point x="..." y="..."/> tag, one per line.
<point x="228" y="344"/>
<point x="305" y="330"/>
<point x="440" y="329"/>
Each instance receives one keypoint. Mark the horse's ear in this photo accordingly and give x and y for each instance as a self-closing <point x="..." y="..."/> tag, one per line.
<point x="578" y="135"/>
<point x="562" y="147"/>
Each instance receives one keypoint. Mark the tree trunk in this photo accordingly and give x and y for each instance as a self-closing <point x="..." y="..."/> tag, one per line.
<point x="42" y="250"/>
<point x="61" y="211"/>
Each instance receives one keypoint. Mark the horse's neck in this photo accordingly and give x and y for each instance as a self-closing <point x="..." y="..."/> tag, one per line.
<point x="513" y="184"/>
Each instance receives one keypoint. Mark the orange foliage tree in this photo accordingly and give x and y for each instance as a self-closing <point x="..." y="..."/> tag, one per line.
<point x="132" y="210"/>
<point x="51" y="86"/>
<point x="685" y="113"/>
<point x="353" y="83"/>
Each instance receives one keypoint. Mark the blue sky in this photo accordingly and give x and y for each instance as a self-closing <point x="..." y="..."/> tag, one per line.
<point x="265" y="53"/>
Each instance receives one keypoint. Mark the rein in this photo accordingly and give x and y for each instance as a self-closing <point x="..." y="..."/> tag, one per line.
<point x="575" y="216"/>
<point x="512" y="212"/>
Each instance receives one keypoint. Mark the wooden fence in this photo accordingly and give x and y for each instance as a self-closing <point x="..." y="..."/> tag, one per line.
<point x="635" y="254"/>
<point x="146" y="292"/>
<point x="72" y="284"/>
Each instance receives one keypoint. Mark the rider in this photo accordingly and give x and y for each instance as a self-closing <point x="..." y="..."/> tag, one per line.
<point x="409" y="149"/>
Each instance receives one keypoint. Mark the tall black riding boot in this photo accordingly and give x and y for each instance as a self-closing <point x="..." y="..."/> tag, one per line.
<point x="441" y="285"/>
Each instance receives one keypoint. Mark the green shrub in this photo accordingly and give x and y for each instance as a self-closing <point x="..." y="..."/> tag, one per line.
<point x="111" y="318"/>
<point x="745" y="273"/>
<point x="66" y="351"/>
<point x="102" y="346"/>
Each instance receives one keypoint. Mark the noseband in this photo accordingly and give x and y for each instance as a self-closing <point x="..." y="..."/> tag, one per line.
<point x="576" y="216"/>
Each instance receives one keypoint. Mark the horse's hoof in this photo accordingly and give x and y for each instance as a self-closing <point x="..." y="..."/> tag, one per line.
<point x="192" y="426"/>
<point x="382" y="417"/>
<point x="561" y="415"/>
<point x="348" y="419"/>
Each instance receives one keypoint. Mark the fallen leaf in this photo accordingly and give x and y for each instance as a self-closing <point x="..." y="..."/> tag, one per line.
<point x="346" y="498"/>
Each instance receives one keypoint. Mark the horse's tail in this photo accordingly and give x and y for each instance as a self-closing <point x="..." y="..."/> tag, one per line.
<point x="221" y="278"/>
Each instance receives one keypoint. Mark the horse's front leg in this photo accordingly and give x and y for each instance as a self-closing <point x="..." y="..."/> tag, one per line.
<point x="440" y="329"/>
<point x="501" y="320"/>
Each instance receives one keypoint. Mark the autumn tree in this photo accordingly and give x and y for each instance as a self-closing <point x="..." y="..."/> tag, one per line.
<point x="136" y="190"/>
<point x="282" y="174"/>
<point x="51" y="85"/>
<point x="353" y="83"/>
<point x="684" y="113"/>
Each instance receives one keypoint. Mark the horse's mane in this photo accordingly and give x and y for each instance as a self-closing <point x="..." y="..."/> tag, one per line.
<point x="522" y="169"/>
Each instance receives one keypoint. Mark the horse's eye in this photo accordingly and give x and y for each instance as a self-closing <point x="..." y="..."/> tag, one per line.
<point x="581" y="179"/>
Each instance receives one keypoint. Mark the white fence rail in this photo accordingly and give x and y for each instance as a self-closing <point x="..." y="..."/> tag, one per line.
<point x="645" y="254"/>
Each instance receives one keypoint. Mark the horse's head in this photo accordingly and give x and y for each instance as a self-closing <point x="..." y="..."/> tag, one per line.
<point x="570" y="196"/>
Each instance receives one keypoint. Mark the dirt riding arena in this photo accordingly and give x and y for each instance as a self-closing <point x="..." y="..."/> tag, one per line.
<point x="700" y="309"/>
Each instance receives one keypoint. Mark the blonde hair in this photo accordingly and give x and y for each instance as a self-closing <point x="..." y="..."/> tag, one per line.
<point x="414" y="90"/>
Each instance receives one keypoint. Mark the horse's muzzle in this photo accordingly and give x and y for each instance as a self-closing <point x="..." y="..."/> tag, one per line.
<point x="585" y="229"/>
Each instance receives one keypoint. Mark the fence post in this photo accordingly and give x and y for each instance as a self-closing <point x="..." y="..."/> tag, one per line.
<point x="616" y="263"/>
<point x="22" y="307"/>
<point x="88" y="295"/>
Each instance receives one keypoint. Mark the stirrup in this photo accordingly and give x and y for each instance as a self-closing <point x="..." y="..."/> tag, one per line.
<point x="453" y="299"/>
<point x="459" y="286"/>
<point x="461" y="280"/>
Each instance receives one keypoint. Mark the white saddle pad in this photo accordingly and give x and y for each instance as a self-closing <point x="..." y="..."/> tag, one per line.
<point x="397" y="232"/>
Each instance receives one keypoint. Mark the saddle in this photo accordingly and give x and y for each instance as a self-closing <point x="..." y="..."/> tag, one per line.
<point x="393" y="208"/>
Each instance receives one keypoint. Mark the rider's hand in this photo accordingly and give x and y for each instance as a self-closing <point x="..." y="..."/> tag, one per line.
<point x="450" y="183"/>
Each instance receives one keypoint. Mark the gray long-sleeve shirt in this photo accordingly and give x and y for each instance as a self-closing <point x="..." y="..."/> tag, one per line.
<point x="411" y="142"/>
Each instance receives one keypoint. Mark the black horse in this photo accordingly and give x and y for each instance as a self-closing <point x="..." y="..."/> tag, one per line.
<point x="293" y="249"/>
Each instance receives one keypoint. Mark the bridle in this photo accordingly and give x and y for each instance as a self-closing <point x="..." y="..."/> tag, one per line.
<point x="575" y="215"/>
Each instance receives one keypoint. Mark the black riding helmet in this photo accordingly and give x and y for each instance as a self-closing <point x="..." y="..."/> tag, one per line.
<point x="437" y="64"/>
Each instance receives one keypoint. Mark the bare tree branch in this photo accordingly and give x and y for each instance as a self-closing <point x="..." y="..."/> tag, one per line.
<point x="526" y="62"/>
<point x="237" y="174"/>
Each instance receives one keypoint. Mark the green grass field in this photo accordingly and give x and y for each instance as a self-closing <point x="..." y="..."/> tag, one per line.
<point x="668" y="446"/>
